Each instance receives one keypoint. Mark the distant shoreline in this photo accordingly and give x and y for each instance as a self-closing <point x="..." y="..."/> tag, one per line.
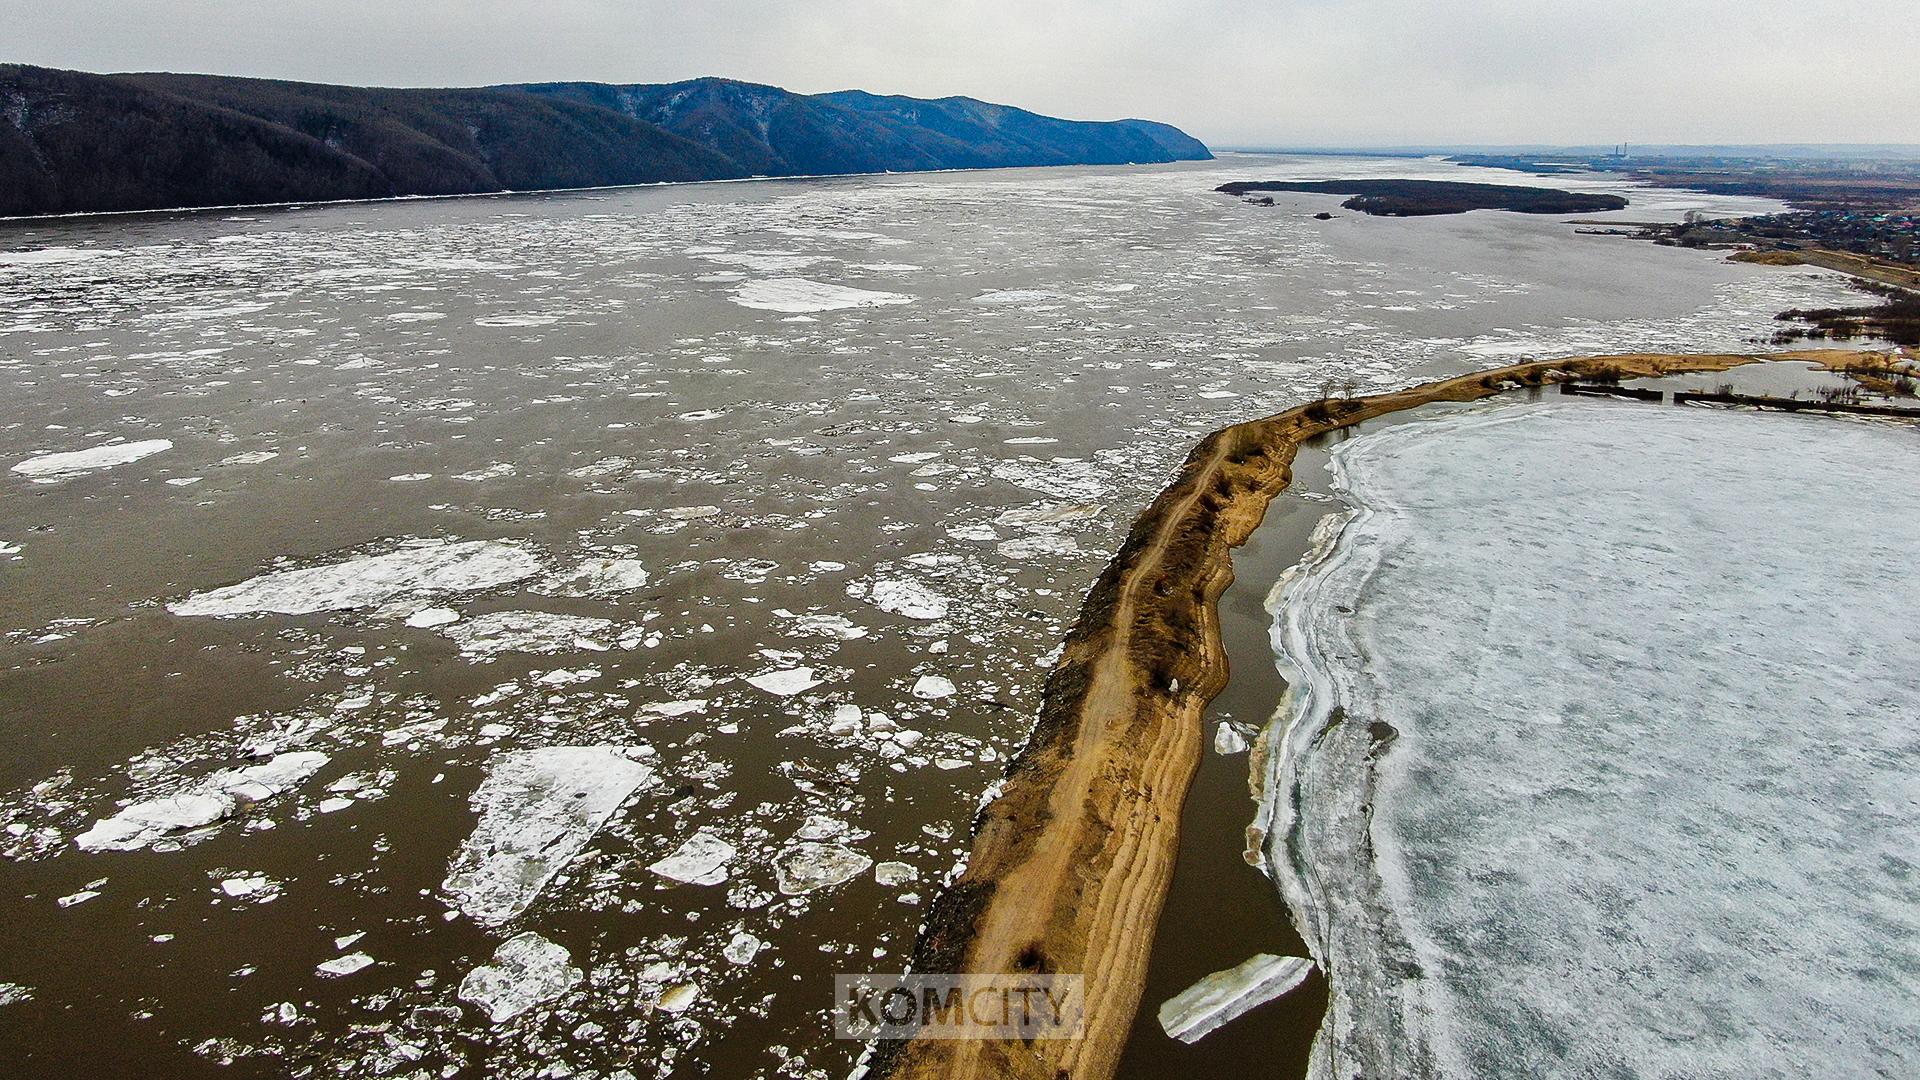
<point x="1071" y="862"/>
<point x="303" y="204"/>
<point x="1431" y="198"/>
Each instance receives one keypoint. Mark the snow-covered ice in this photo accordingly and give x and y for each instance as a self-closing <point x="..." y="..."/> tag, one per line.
<point x="414" y="569"/>
<point x="596" y="577"/>
<point x="528" y="631"/>
<point x="702" y="860"/>
<point x="51" y="468"/>
<point x="1225" y="996"/>
<point x="191" y="812"/>
<point x="345" y="965"/>
<point x="801" y="295"/>
<point x="1631" y="745"/>
<point x="908" y="598"/>
<point x="785" y="683"/>
<point x="741" y="949"/>
<point x="933" y="687"/>
<point x="527" y="971"/>
<point x="429" y="617"/>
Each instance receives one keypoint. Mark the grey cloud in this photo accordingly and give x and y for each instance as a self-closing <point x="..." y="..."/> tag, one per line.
<point x="1231" y="71"/>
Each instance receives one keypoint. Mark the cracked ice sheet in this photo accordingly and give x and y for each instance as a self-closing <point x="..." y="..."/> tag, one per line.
<point x="1636" y="736"/>
<point x="538" y="809"/>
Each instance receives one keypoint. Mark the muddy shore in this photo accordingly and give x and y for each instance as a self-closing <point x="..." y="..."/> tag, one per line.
<point x="1070" y="864"/>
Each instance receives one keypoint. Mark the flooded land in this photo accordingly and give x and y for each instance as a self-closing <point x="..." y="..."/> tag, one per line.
<point x="553" y="635"/>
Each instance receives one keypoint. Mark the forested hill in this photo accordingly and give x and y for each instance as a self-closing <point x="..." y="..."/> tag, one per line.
<point x="773" y="132"/>
<point x="72" y="141"/>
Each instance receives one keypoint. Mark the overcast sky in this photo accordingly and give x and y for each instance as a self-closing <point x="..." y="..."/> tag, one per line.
<point x="1233" y="72"/>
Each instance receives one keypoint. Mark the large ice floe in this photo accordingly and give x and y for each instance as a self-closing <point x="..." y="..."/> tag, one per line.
<point x="413" y="569"/>
<point x="907" y="598"/>
<point x="596" y="577"/>
<point x="702" y="860"/>
<point x="53" y="468"/>
<point x="1225" y="996"/>
<point x="538" y="809"/>
<point x="194" y="812"/>
<point x="528" y="631"/>
<point x="1619" y="700"/>
<point x="810" y="865"/>
<point x="799" y="295"/>
<point x="527" y="971"/>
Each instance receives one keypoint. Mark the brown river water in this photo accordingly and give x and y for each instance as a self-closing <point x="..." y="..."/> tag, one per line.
<point x="863" y="442"/>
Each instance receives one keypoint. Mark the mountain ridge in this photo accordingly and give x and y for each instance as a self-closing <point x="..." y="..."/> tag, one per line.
<point x="78" y="142"/>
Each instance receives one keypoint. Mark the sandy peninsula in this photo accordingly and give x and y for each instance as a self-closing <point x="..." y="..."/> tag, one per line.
<point x="1070" y="864"/>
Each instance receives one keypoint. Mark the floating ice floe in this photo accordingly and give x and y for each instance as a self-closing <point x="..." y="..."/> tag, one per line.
<point x="785" y="683"/>
<point x="249" y="457"/>
<point x="1072" y="479"/>
<point x="677" y="998"/>
<point x="53" y="468"/>
<point x="1042" y="515"/>
<point x="527" y="319"/>
<point x="345" y="965"/>
<point x="832" y="626"/>
<point x="807" y="866"/>
<point x="428" y="618"/>
<point x="528" y="631"/>
<point x="190" y="814"/>
<point x="491" y="472"/>
<point x="675" y="708"/>
<point x="254" y="888"/>
<point x="417" y="568"/>
<point x="1033" y="547"/>
<point x="1225" y="996"/>
<point x="741" y="949"/>
<point x="1016" y="296"/>
<point x="702" y="860"/>
<point x="142" y="823"/>
<point x="911" y="599"/>
<point x="527" y="971"/>
<point x="845" y="722"/>
<point x="793" y="294"/>
<point x="767" y="262"/>
<point x="1228" y="740"/>
<point x="538" y="809"/>
<point x="933" y="687"/>
<point x="890" y="874"/>
<point x="595" y="577"/>
<point x="50" y="255"/>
